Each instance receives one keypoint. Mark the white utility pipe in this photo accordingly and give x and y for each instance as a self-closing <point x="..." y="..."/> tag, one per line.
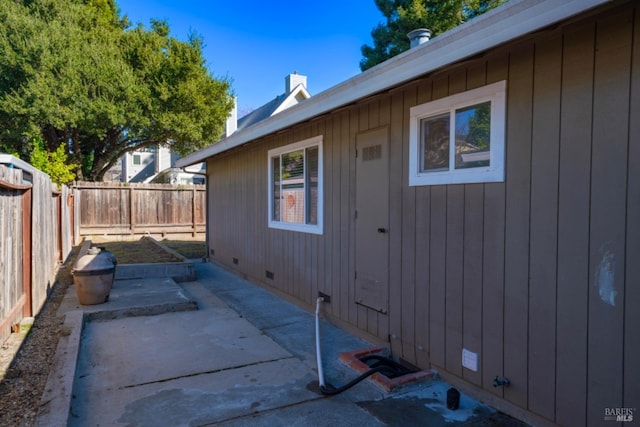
<point x="318" y="354"/>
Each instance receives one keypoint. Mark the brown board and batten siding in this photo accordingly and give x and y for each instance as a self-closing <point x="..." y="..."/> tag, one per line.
<point x="632" y="292"/>
<point x="539" y="275"/>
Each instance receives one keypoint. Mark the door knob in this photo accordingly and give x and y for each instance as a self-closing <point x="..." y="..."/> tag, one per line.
<point x="382" y="230"/>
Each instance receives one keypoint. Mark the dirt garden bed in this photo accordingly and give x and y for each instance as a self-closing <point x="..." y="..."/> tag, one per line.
<point x="146" y="250"/>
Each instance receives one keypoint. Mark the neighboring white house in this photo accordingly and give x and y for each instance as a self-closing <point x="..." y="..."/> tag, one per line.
<point x="158" y="164"/>
<point x="295" y="92"/>
<point x="142" y="165"/>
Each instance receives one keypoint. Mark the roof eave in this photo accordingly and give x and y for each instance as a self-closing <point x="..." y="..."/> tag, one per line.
<point x="478" y="35"/>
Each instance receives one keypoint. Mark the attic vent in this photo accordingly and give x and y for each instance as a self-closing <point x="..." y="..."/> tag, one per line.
<point x="371" y="153"/>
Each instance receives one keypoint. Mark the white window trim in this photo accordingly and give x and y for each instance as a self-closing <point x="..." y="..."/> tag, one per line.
<point x="496" y="93"/>
<point x="303" y="228"/>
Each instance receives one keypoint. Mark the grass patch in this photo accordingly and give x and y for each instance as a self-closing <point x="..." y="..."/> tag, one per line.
<point x="187" y="248"/>
<point x="137" y="252"/>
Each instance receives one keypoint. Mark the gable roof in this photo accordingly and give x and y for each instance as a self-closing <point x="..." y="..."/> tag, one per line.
<point x="503" y="24"/>
<point x="275" y="106"/>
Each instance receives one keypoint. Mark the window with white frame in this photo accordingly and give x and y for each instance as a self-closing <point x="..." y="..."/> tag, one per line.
<point x="295" y="186"/>
<point x="459" y="139"/>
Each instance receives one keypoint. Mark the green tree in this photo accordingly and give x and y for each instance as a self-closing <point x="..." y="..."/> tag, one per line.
<point x="76" y="73"/>
<point x="403" y="16"/>
<point x="54" y="163"/>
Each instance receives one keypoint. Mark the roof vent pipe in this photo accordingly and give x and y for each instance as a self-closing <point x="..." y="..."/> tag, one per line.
<point x="419" y="36"/>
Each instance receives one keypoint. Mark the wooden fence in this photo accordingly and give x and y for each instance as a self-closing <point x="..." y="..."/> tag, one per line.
<point x="115" y="209"/>
<point x="40" y="223"/>
<point x="35" y="235"/>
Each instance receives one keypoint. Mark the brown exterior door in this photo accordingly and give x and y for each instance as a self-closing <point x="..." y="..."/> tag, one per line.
<point x="372" y="220"/>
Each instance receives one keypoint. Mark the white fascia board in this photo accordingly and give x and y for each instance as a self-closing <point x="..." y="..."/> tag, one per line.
<point x="503" y="24"/>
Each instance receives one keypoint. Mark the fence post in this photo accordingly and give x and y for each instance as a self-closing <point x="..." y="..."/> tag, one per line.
<point x="24" y="301"/>
<point x="57" y="195"/>
<point x="193" y="211"/>
<point x="76" y="201"/>
<point x="132" y="220"/>
<point x="27" y="246"/>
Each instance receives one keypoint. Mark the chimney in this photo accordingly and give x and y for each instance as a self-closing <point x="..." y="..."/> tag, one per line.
<point x="293" y="80"/>
<point x="162" y="158"/>
<point x="419" y="36"/>
<point x="232" y="121"/>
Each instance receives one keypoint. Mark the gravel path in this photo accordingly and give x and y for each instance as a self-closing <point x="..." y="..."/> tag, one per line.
<point x="26" y="358"/>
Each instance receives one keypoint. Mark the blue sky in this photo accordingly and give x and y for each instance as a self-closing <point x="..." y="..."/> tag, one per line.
<point x="257" y="43"/>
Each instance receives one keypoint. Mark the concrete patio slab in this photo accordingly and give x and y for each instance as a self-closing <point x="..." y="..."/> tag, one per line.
<point x="322" y="412"/>
<point x="244" y="357"/>
<point x="125" y="353"/>
<point x="200" y="399"/>
<point x="135" y="297"/>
